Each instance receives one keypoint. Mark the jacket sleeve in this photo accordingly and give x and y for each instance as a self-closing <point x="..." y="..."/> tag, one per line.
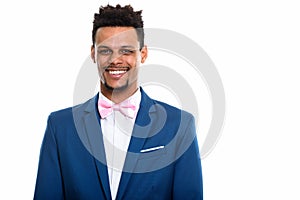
<point x="188" y="173"/>
<point x="49" y="179"/>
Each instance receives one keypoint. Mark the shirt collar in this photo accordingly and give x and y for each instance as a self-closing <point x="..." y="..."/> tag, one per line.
<point x="135" y="99"/>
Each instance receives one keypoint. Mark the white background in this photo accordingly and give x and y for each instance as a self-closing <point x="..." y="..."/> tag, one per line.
<point x="255" y="46"/>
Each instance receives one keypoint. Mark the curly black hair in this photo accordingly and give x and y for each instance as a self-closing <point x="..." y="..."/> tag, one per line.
<point x="119" y="16"/>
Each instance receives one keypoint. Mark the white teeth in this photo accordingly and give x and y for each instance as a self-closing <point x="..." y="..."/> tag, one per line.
<point x="117" y="72"/>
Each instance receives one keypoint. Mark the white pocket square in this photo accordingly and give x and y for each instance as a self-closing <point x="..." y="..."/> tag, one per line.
<point x="152" y="149"/>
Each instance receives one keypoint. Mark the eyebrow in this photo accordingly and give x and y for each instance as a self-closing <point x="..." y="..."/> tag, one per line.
<point x="124" y="46"/>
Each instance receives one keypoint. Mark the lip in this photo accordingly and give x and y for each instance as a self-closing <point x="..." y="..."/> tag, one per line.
<point x="116" y="73"/>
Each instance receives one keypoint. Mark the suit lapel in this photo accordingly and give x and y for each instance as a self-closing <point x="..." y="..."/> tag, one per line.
<point x="140" y="134"/>
<point x="89" y="130"/>
<point x="94" y="135"/>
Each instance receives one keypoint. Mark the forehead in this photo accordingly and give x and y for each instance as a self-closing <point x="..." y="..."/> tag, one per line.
<point x="116" y="36"/>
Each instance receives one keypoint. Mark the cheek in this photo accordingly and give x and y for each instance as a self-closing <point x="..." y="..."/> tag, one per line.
<point x="102" y="61"/>
<point x="101" y="70"/>
<point x="133" y="73"/>
<point x="132" y="61"/>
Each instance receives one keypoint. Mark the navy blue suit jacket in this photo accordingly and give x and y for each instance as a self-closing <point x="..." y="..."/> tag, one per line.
<point x="72" y="158"/>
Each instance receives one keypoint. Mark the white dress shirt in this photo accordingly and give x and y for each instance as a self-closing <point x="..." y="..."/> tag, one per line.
<point x="117" y="130"/>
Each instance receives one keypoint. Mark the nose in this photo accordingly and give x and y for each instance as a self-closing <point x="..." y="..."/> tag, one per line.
<point x="115" y="58"/>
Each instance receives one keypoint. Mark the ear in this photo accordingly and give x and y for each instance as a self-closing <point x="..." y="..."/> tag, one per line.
<point x="144" y="54"/>
<point x="93" y="53"/>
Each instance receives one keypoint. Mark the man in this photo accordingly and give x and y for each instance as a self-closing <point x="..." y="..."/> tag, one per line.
<point x="121" y="144"/>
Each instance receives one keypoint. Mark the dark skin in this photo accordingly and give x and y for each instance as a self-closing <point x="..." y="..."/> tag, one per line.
<point x="117" y="55"/>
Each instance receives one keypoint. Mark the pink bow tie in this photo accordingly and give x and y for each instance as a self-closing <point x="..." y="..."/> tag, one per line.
<point x="125" y="107"/>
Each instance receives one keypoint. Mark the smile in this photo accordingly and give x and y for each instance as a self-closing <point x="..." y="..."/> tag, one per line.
<point x="117" y="72"/>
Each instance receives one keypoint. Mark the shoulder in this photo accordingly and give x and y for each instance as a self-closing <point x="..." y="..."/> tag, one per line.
<point x="61" y="115"/>
<point x="66" y="115"/>
<point x="174" y="112"/>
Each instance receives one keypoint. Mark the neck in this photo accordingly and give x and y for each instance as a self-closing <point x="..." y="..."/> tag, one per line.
<point x="118" y="95"/>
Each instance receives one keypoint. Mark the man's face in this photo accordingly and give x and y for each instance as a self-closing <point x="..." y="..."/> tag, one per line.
<point x="118" y="56"/>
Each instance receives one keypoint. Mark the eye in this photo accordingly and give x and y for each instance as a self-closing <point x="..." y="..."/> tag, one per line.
<point x="126" y="51"/>
<point x="104" y="51"/>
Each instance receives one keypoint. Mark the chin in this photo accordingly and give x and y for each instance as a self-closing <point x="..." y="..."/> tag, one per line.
<point x="116" y="88"/>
